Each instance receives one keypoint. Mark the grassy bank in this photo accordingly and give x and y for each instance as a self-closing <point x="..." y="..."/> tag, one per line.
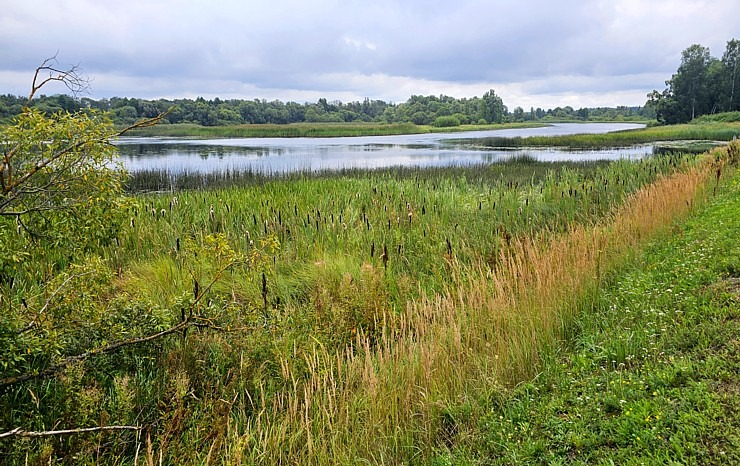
<point x="647" y="370"/>
<point x="712" y="131"/>
<point x="353" y="317"/>
<point x="308" y="130"/>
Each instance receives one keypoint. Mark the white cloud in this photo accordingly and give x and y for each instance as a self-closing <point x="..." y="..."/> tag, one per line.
<point x="359" y="44"/>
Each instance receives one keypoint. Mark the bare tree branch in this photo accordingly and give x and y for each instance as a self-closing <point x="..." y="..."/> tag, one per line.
<point x="18" y="432"/>
<point x="70" y="77"/>
<point x="188" y="322"/>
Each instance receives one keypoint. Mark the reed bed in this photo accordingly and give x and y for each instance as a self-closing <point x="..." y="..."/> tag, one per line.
<point x="414" y="224"/>
<point x="518" y="171"/>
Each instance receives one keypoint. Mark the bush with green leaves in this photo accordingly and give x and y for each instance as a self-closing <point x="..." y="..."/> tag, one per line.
<point x="446" y="121"/>
<point x="60" y="191"/>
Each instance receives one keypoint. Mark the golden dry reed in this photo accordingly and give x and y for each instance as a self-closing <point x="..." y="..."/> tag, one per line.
<point x="392" y="400"/>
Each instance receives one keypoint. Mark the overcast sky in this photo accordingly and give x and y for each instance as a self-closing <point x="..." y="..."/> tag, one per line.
<point x="540" y="53"/>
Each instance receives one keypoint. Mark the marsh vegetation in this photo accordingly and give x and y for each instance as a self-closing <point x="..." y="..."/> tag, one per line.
<point x="327" y="316"/>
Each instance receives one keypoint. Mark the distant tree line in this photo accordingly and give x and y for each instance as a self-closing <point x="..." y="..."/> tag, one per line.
<point x="422" y="110"/>
<point x="702" y="85"/>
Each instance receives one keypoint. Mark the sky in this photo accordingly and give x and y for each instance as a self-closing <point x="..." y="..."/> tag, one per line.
<point x="533" y="53"/>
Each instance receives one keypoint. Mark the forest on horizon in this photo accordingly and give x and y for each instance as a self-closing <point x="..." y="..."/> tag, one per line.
<point x="439" y="110"/>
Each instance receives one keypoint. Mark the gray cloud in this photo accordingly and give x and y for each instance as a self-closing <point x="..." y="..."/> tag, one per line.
<point x="298" y="50"/>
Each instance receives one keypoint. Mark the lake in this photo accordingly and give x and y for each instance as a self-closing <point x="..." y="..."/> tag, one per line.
<point x="283" y="155"/>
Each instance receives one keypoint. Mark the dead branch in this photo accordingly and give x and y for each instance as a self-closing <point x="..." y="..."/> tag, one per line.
<point x="70" y="77"/>
<point x="18" y="432"/>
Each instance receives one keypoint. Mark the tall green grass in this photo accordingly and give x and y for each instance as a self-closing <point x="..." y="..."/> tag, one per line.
<point x="724" y="117"/>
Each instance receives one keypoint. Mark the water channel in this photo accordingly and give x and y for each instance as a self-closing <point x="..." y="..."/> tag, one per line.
<point x="281" y="155"/>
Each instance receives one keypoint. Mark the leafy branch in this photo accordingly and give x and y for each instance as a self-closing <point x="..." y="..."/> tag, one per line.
<point x="45" y="160"/>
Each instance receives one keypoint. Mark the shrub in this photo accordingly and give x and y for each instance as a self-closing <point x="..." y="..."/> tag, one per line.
<point x="446" y="121"/>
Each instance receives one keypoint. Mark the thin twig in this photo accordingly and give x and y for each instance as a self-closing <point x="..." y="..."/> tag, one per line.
<point x="144" y="123"/>
<point x="70" y="77"/>
<point x="34" y="322"/>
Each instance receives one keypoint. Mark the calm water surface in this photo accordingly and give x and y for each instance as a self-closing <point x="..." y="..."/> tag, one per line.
<point x="281" y="155"/>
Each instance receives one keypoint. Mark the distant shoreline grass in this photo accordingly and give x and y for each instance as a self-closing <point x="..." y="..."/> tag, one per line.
<point x="310" y="130"/>
<point x="715" y="131"/>
<point x="675" y="137"/>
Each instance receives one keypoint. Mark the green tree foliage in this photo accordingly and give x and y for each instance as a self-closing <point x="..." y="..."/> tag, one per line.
<point x="731" y="76"/>
<point x="60" y="197"/>
<point x="518" y="114"/>
<point x="419" y="109"/>
<point x="58" y="185"/>
<point x="492" y="108"/>
<point x="701" y="85"/>
<point x="446" y="121"/>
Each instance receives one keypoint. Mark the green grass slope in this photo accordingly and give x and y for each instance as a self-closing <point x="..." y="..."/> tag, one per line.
<point x="650" y="371"/>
